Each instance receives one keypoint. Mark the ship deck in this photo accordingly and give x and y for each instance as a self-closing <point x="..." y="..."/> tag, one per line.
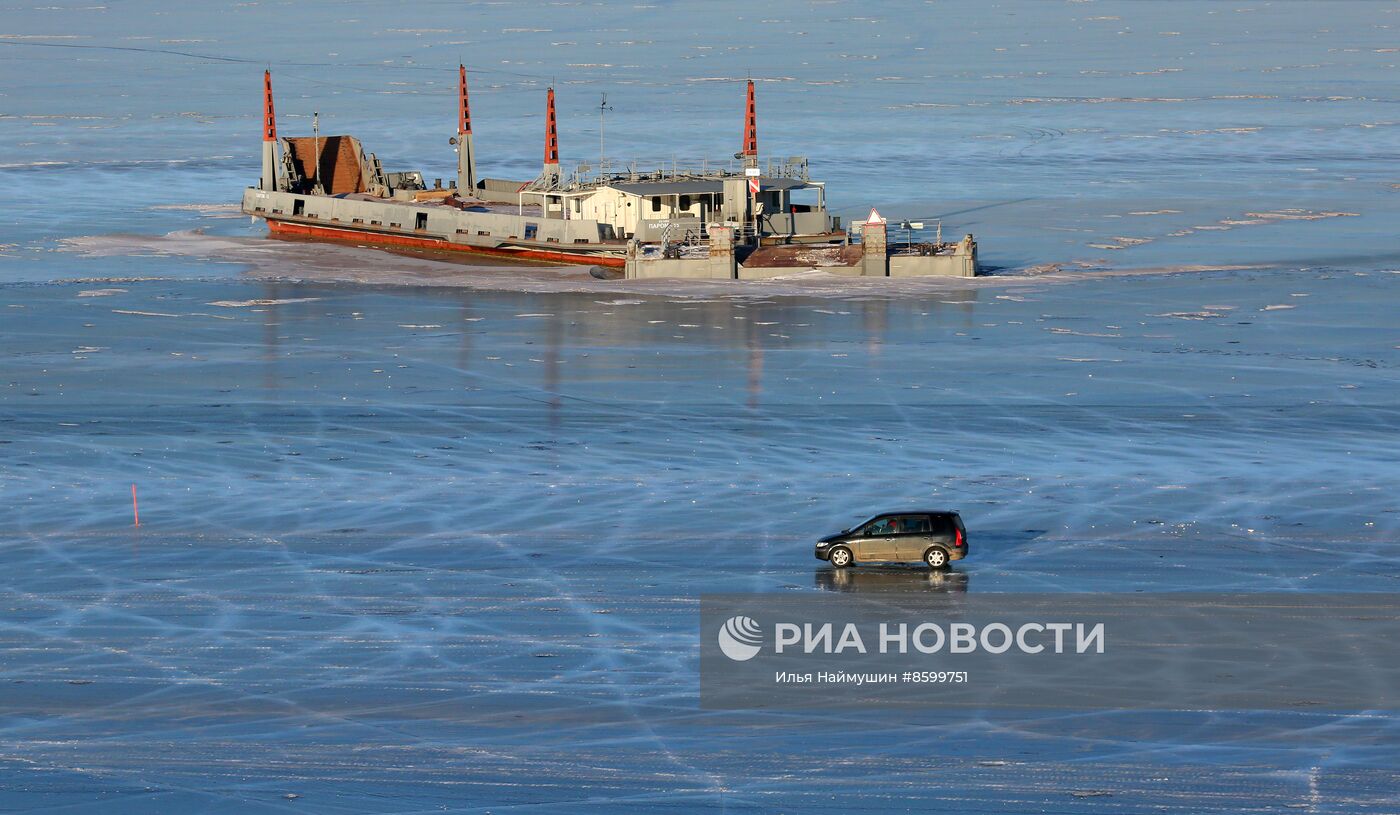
<point x="450" y="201"/>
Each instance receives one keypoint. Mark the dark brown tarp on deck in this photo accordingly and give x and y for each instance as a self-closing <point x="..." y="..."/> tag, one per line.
<point x="340" y="162"/>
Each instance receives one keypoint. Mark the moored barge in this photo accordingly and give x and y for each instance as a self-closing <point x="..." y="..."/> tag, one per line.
<point x="667" y="223"/>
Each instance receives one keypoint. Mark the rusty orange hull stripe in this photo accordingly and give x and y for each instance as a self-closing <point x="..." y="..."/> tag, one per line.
<point x="437" y="245"/>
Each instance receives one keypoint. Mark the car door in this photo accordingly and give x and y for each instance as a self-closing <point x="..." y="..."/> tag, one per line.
<point x="942" y="532"/>
<point x="913" y="538"/>
<point x="877" y="540"/>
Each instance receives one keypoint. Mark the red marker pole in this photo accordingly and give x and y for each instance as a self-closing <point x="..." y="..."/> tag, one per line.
<point x="135" y="511"/>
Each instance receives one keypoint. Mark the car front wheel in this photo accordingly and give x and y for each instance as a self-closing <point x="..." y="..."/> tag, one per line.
<point x="936" y="558"/>
<point x="840" y="557"/>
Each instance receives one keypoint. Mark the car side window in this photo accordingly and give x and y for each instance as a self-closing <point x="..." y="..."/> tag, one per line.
<point x="913" y="524"/>
<point x="880" y="526"/>
<point x="942" y="525"/>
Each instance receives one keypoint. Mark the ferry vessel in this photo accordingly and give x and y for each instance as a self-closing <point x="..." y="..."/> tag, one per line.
<point x="660" y="223"/>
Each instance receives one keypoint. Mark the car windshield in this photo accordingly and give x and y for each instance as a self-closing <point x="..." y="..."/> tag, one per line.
<point x="860" y="527"/>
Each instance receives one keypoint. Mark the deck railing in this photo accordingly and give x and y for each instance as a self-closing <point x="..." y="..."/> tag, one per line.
<point x="588" y="174"/>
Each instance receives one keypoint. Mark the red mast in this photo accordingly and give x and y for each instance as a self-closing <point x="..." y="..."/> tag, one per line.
<point x="270" y="180"/>
<point x="466" y="154"/>
<point x="551" y="132"/>
<point x="750" y="151"/>
<point x="269" y="118"/>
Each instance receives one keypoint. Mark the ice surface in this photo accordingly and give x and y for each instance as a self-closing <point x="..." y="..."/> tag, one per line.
<point x="420" y="536"/>
<point x="411" y="548"/>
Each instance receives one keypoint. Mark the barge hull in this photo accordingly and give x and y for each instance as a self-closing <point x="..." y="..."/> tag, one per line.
<point x="362" y="237"/>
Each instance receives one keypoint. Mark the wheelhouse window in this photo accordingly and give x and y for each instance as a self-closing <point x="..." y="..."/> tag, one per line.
<point x="656" y="203"/>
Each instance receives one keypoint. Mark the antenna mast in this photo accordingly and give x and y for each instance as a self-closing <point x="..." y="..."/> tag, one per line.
<point x="316" y="139"/>
<point x="603" y="108"/>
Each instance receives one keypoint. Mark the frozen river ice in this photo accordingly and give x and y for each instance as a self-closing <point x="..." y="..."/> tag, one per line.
<point x="421" y="537"/>
<point x="405" y="549"/>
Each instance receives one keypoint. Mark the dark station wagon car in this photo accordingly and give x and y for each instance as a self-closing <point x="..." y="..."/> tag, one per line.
<point x="935" y="537"/>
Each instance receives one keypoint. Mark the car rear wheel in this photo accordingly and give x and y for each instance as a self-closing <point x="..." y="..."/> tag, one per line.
<point x="936" y="558"/>
<point x="840" y="557"/>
